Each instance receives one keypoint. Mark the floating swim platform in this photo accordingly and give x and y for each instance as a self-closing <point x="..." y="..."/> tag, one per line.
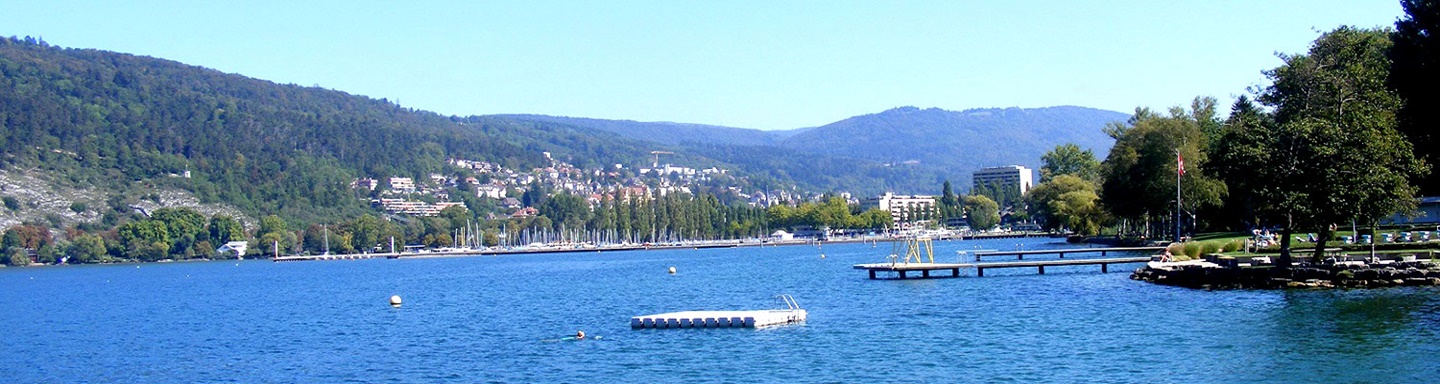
<point x="724" y="319"/>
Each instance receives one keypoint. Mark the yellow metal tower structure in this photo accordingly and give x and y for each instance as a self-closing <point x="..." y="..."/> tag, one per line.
<point x="918" y="248"/>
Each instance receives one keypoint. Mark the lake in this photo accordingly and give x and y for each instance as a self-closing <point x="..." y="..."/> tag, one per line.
<point x="496" y="319"/>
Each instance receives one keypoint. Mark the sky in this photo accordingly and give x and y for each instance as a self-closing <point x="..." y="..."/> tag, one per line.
<point x="762" y="64"/>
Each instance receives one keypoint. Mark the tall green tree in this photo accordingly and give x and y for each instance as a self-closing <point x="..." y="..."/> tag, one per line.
<point x="1067" y="201"/>
<point x="981" y="212"/>
<point x="1335" y="154"/>
<point x="1236" y="159"/>
<point x="1070" y="159"/>
<point x="1140" y="172"/>
<point x="1415" y="77"/>
<point x="86" y="249"/>
<point x="224" y="229"/>
<point x="184" y="228"/>
<point x="147" y="240"/>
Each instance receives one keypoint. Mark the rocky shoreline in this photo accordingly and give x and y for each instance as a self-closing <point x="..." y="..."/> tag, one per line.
<point x="1209" y="275"/>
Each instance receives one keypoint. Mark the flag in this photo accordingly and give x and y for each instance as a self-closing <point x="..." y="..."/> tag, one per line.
<point x="1180" y="163"/>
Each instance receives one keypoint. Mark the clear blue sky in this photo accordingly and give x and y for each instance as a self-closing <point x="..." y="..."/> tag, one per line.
<point x="763" y="64"/>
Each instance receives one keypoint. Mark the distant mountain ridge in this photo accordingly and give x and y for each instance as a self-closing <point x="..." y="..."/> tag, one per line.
<point x="905" y="149"/>
<point x="964" y="140"/>
<point x="664" y="132"/>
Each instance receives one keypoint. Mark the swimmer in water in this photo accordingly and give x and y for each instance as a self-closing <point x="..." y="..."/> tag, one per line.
<point x="579" y="335"/>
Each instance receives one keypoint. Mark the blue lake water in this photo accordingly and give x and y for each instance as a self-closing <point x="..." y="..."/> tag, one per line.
<point x="494" y="319"/>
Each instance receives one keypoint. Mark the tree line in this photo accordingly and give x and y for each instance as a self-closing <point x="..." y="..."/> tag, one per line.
<point x="1334" y="138"/>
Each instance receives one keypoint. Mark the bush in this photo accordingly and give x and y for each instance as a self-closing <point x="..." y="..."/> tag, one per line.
<point x="78" y="207"/>
<point x="1192" y="250"/>
<point x="17" y="258"/>
<point x="11" y="202"/>
<point x="1209" y="247"/>
<point x="1233" y="245"/>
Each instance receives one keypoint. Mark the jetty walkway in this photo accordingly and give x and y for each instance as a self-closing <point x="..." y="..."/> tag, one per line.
<point x="903" y="269"/>
<point x="1020" y="255"/>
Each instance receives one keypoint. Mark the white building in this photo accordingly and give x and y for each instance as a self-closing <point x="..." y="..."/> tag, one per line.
<point x="899" y="206"/>
<point x="236" y="247"/>
<point x="1010" y="176"/>
<point x="402" y="184"/>
<point x="490" y="191"/>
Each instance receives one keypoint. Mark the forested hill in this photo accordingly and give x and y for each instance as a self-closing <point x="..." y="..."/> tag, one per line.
<point x="905" y="150"/>
<point x="964" y="141"/>
<point x="110" y="121"/>
<point x="664" y="132"/>
<point x="104" y="120"/>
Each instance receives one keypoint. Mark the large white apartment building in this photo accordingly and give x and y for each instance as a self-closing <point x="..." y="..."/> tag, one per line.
<point x="899" y="206"/>
<point x="1010" y="176"/>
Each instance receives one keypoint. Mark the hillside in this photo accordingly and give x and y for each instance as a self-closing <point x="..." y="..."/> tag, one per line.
<point x="121" y="125"/>
<point x="663" y="132"/>
<point x="115" y="122"/>
<point x="906" y="150"/>
<point x="959" y="141"/>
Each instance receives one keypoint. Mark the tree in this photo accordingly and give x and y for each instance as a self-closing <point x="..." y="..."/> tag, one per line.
<point x="1140" y="172"/>
<point x="184" y="226"/>
<point x="1415" y="77"/>
<point x="1067" y="201"/>
<point x="1334" y="153"/>
<point x="11" y="239"/>
<point x="16" y="257"/>
<point x="273" y="233"/>
<point x="27" y="236"/>
<point x="85" y="249"/>
<point x="949" y="202"/>
<point x="367" y="231"/>
<point x="147" y="240"/>
<point x="1236" y="158"/>
<point x="982" y="213"/>
<point x="224" y="229"/>
<point x="1070" y="159"/>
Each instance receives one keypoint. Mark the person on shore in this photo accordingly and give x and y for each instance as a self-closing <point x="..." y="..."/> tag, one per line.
<point x="1166" y="257"/>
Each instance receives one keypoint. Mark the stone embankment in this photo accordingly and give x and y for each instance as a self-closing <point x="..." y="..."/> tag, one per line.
<point x="1207" y="275"/>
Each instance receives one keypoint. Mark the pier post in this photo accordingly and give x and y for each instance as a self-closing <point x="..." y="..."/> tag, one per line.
<point x="872" y="274"/>
<point x="954" y="272"/>
<point x="1042" y="269"/>
<point x="1062" y="255"/>
<point x="1019" y="256"/>
<point x="979" y="271"/>
<point x="902" y="274"/>
<point x="1104" y="268"/>
<point x="925" y="273"/>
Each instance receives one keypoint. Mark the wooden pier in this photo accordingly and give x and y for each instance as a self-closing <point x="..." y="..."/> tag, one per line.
<point x="1020" y="255"/>
<point x="903" y="269"/>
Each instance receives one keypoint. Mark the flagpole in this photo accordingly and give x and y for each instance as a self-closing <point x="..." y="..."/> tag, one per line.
<point x="1179" y="170"/>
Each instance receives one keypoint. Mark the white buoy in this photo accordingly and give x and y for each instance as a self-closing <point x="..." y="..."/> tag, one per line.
<point x="822" y="255"/>
<point x="395" y="301"/>
<point x="672" y="270"/>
